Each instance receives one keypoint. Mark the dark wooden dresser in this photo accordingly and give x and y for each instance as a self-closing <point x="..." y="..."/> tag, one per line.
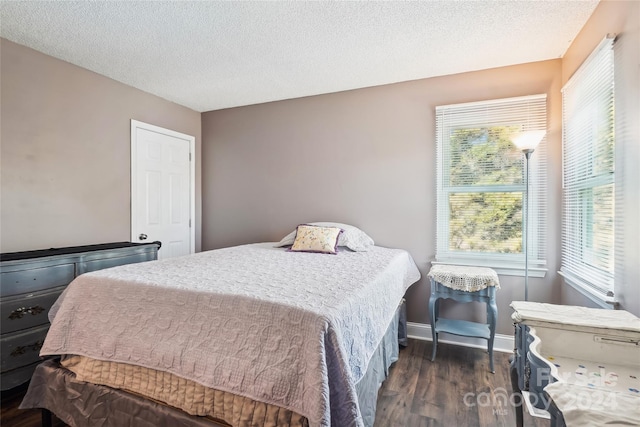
<point x="31" y="281"/>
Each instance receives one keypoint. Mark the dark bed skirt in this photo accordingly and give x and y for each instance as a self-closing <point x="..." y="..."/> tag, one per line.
<point x="81" y="404"/>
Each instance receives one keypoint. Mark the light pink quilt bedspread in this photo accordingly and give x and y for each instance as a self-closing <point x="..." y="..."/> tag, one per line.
<point x="291" y="329"/>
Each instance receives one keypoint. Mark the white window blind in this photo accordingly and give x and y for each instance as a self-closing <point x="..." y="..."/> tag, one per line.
<point x="480" y="183"/>
<point x="588" y="172"/>
<point x="627" y="152"/>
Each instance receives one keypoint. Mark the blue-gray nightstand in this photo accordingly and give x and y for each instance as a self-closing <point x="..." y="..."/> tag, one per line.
<point x="464" y="284"/>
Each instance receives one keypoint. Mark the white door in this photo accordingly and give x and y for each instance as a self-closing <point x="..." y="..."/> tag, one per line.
<point x="162" y="189"/>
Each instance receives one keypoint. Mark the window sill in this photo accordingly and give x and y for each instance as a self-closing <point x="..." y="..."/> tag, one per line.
<point x="502" y="268"/>
<point x="599" y="298"/>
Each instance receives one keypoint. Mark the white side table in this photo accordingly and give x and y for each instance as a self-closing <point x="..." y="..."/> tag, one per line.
<point x="464" y="284"/>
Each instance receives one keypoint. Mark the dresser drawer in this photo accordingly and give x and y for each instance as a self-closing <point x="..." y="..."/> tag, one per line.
<point x="21" y="375"/>
<point x="22" y="348"/>
<point x="27" y="310"/>
<point x="35" y="279"/>
<point x="86" y="266"/>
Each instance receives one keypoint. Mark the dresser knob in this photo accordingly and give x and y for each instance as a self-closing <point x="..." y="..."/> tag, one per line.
<point x="21" y="311"/>
<point x="22" y="349"/>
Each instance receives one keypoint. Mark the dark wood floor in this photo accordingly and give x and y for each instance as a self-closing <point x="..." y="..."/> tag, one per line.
<point x="10" y="415"/>
<point x="456" y="389"/>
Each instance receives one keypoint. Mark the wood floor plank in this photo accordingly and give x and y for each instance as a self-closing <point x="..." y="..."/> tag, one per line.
<point x="458" y="385"/>
<point x="491" y="410"/>
<point x="430" y="396"/>
<point x="414" y="420"/>
<point x="406" y="369"/>
<point x="393" y="409"/>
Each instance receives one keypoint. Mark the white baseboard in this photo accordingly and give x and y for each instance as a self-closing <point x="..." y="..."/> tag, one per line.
<point x="422" y="331"/>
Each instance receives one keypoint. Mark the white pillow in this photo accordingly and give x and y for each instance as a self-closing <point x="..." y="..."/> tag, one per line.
<point x="351" y="237"/>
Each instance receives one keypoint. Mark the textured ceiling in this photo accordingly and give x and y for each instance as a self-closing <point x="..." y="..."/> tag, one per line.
<point x="210" y="55"/>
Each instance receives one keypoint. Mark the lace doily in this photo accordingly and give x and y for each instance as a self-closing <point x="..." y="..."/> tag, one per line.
<point x="464" y="278"/>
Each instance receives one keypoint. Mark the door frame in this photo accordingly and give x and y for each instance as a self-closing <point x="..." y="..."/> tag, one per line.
<point x="135" y="125"/>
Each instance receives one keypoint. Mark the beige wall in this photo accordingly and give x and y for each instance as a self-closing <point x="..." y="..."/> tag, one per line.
<point x="65" y="151"/>
<point x="621" y="18"/>
<point x="364" y="157"/>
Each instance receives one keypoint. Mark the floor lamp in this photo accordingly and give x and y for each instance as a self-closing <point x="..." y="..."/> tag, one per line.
<point x="527" y="142"/>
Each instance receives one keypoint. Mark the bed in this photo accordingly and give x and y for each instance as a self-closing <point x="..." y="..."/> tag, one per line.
<point x="275" y="337"/>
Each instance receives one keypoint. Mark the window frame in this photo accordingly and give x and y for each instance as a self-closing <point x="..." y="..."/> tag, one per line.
<point x="503" y="263"/>
<point x="579" y="271"/>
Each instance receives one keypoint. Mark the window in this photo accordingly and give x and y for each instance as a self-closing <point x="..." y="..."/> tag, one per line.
<point x="481" y="184"/>
<point x="588" y="173"/>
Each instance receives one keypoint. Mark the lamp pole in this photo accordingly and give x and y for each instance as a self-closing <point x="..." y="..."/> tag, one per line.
<point x="527" y="142"/>
<point x="527" y="154"/>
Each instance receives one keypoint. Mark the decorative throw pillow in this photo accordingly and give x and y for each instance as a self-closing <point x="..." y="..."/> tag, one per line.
<point x="311" y="238"/>
<point x="351" y="237"/>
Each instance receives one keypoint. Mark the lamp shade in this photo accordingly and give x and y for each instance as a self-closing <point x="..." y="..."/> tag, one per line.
<point x="528" y="140"/>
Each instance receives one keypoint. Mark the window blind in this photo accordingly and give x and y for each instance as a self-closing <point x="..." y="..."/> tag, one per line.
<point x="627" y="150"/>
<point x="480" y="182"/>
<point x="588" y="227"/>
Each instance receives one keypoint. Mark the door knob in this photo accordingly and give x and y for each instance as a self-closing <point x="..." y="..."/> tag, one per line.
<point x="142" y="236"/>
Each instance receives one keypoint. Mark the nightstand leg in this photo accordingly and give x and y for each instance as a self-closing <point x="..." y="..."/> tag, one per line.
<point x="492" y="315"/>
<point x="433" y="313"/>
